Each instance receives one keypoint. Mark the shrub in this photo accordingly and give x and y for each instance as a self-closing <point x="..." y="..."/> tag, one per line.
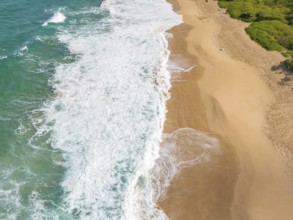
<point x="272" y="23"/>
<point x="272" y="35"/>
<point x="288" y="64"/>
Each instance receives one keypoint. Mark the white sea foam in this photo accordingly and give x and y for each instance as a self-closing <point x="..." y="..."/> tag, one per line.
<point x="57" y="17"/>
<point x="183" y="148"/>
<point x="109" y="109"/>
<point x="3" y="57"/>
<point x="21" y="51"/>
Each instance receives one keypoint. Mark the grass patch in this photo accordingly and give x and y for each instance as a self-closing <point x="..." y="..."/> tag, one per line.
<point x="256" y="10"/>
<point x="272" y="35"/>
<point x="271" y="23"/>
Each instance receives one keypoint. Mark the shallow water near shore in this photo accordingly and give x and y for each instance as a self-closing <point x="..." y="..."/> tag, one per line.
<point x="83" y="86"/>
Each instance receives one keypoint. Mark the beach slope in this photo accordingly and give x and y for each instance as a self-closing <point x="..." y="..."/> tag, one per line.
<point x="225" y="93"/>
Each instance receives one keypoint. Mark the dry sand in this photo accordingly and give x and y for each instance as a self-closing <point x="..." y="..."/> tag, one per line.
<point x="232" y="94"/>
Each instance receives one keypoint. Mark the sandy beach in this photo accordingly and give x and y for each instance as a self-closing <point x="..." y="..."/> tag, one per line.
<point x="230" y="92"/>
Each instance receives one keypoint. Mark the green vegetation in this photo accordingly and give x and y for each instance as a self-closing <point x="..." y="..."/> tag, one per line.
<point x="271" y="23"/>
<point x="272" y="35"/>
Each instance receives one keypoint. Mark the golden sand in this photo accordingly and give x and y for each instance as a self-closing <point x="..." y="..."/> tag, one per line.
<point x="232" y="94"/>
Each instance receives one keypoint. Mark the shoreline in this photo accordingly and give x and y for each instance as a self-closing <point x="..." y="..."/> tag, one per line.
<point x="228" y="95"/>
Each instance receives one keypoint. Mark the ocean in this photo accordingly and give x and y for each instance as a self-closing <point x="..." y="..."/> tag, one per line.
<point x="83" y="88"/>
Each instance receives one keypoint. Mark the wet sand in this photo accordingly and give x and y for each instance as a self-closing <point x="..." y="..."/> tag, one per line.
<point x="231" y="94"/>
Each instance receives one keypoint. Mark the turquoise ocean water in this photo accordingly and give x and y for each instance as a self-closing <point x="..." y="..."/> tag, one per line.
<point x="82" y="91"/>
